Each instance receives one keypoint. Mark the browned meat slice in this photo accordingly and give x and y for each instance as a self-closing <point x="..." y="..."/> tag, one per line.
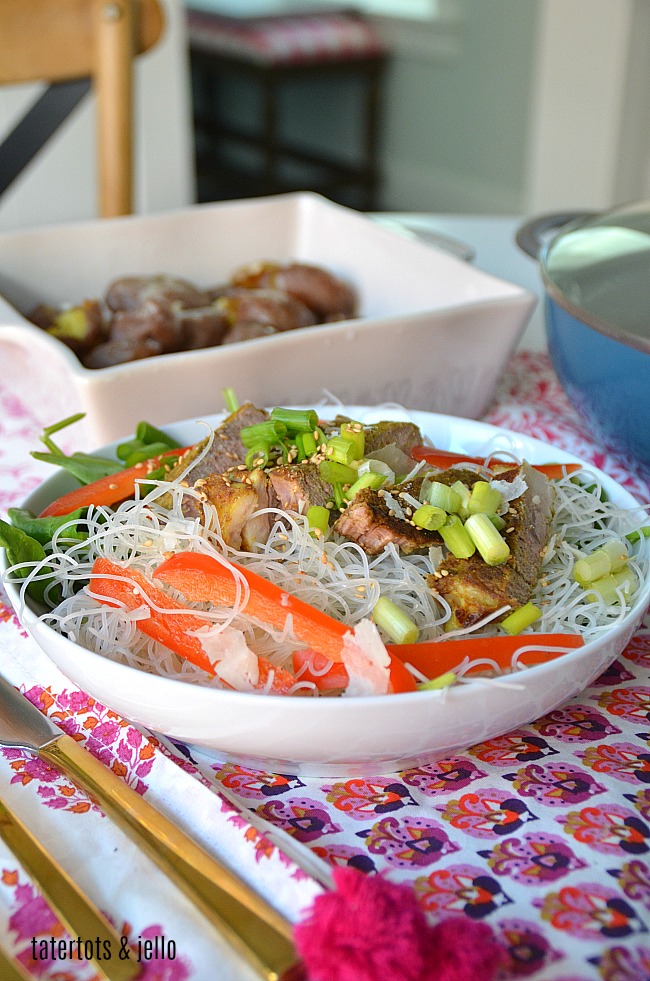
<point x="404" y="435"/>
<point x="244" y="331"/>
<point x="328" y="296"/>
<point x="201" y="327"/>
<point x="130" y="292"/>
<point x="237" y="496"/>
<point x="227" y="450"/>
<point x="298" y="486"/>
<point x="119" y="352"/>
<point x="372" y="521"/>
<point x="152" y="320"/>
<point x="368" y="520"/>
<point x="267" y="306"/>
<point x="474" y="589"/>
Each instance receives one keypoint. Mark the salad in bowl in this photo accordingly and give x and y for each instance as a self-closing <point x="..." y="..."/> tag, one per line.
<point x="328" y="562"/>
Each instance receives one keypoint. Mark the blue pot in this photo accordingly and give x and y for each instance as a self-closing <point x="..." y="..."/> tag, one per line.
<point x="596" y="274"/>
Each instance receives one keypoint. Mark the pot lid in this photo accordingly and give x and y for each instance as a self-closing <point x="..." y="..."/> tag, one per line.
<point x="600" y="264"/>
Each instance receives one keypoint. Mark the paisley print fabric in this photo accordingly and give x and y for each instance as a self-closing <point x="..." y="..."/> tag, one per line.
<point x="542" y="833"/>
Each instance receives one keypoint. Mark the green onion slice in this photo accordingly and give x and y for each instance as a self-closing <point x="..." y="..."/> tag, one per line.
<point x="390" y="618"/>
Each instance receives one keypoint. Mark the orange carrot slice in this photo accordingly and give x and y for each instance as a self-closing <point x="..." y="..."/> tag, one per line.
<point x="106" y="491"/>
<point x="171" y="625"/>
<point x="447" y="458"/>
<point x="439" y="657"/>
<point x="202" y="578"/>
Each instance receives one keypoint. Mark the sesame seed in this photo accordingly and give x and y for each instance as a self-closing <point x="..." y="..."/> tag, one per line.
<point x="113" y="486"/>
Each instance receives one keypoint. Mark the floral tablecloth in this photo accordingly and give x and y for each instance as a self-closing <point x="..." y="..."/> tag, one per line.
<point x="543" y="833"/>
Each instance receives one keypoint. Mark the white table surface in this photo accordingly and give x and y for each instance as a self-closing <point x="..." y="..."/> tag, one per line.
<point x="492" y="239"/>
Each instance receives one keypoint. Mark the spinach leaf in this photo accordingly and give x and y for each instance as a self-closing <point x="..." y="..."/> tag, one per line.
<point x="83" y="466"/>
<point x="44" y="529"/>
<point x="20" y="548"/>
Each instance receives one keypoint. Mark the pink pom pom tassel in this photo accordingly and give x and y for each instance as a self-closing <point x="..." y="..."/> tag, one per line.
<point x="369" y="929"/>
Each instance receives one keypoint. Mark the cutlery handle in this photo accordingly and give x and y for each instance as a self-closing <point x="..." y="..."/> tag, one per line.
<point x="79" y="915"/>
<point x="251" y="925"/>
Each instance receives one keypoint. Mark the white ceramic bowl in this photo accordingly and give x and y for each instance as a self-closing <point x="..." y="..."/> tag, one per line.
<point x="358" y="736"/>
<point x="433" y="332"/>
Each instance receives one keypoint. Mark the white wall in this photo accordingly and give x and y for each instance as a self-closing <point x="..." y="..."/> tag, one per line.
<point x="457" y="99"/>
<point x="588" y="141"/>
<point x="520" y="106"/>
<point x="60" y="184"/>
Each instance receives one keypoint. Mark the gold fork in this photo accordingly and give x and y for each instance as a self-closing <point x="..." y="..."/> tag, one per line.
<point x="250" y="924"/>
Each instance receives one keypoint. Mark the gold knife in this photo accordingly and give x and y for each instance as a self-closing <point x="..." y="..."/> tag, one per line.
<point x="77" y="913"/>
<point x="261" y="935"/>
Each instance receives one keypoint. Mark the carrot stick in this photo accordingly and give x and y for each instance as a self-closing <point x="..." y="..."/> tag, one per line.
<point x="202" y="578"/>
<point x="174" y="627"/>
<point x="434" y="658"/>
<point x="446" y="458"/>
<point x="107" y="490"/>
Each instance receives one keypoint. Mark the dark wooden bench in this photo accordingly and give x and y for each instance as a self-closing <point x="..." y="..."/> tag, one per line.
<point x="243" y="72"/>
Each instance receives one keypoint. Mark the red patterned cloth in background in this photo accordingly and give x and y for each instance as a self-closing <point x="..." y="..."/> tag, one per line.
<point x="286" y="40"/>
<point x="543" y="833"/>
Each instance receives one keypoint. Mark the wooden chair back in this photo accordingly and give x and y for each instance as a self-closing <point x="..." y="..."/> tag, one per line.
<point x="63" y="40"/>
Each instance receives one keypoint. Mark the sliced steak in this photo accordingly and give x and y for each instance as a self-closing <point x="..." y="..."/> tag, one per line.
<point x="152" y="320"/>
<point x="201" y="327"/>
<point x="370" y="522"/>
<point x="264" y="306"/>
<point x="474" y="589"/>
<point x="130" y="292"/>
<point x="227" y="451"/>
<point x="373" y="521"/>
<point x="329" y="297"/>
<point x="238" y="496"/>
<point x="245" y="331"/>
<point x="298" y="486"/>
<point x="404" y="435"/>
